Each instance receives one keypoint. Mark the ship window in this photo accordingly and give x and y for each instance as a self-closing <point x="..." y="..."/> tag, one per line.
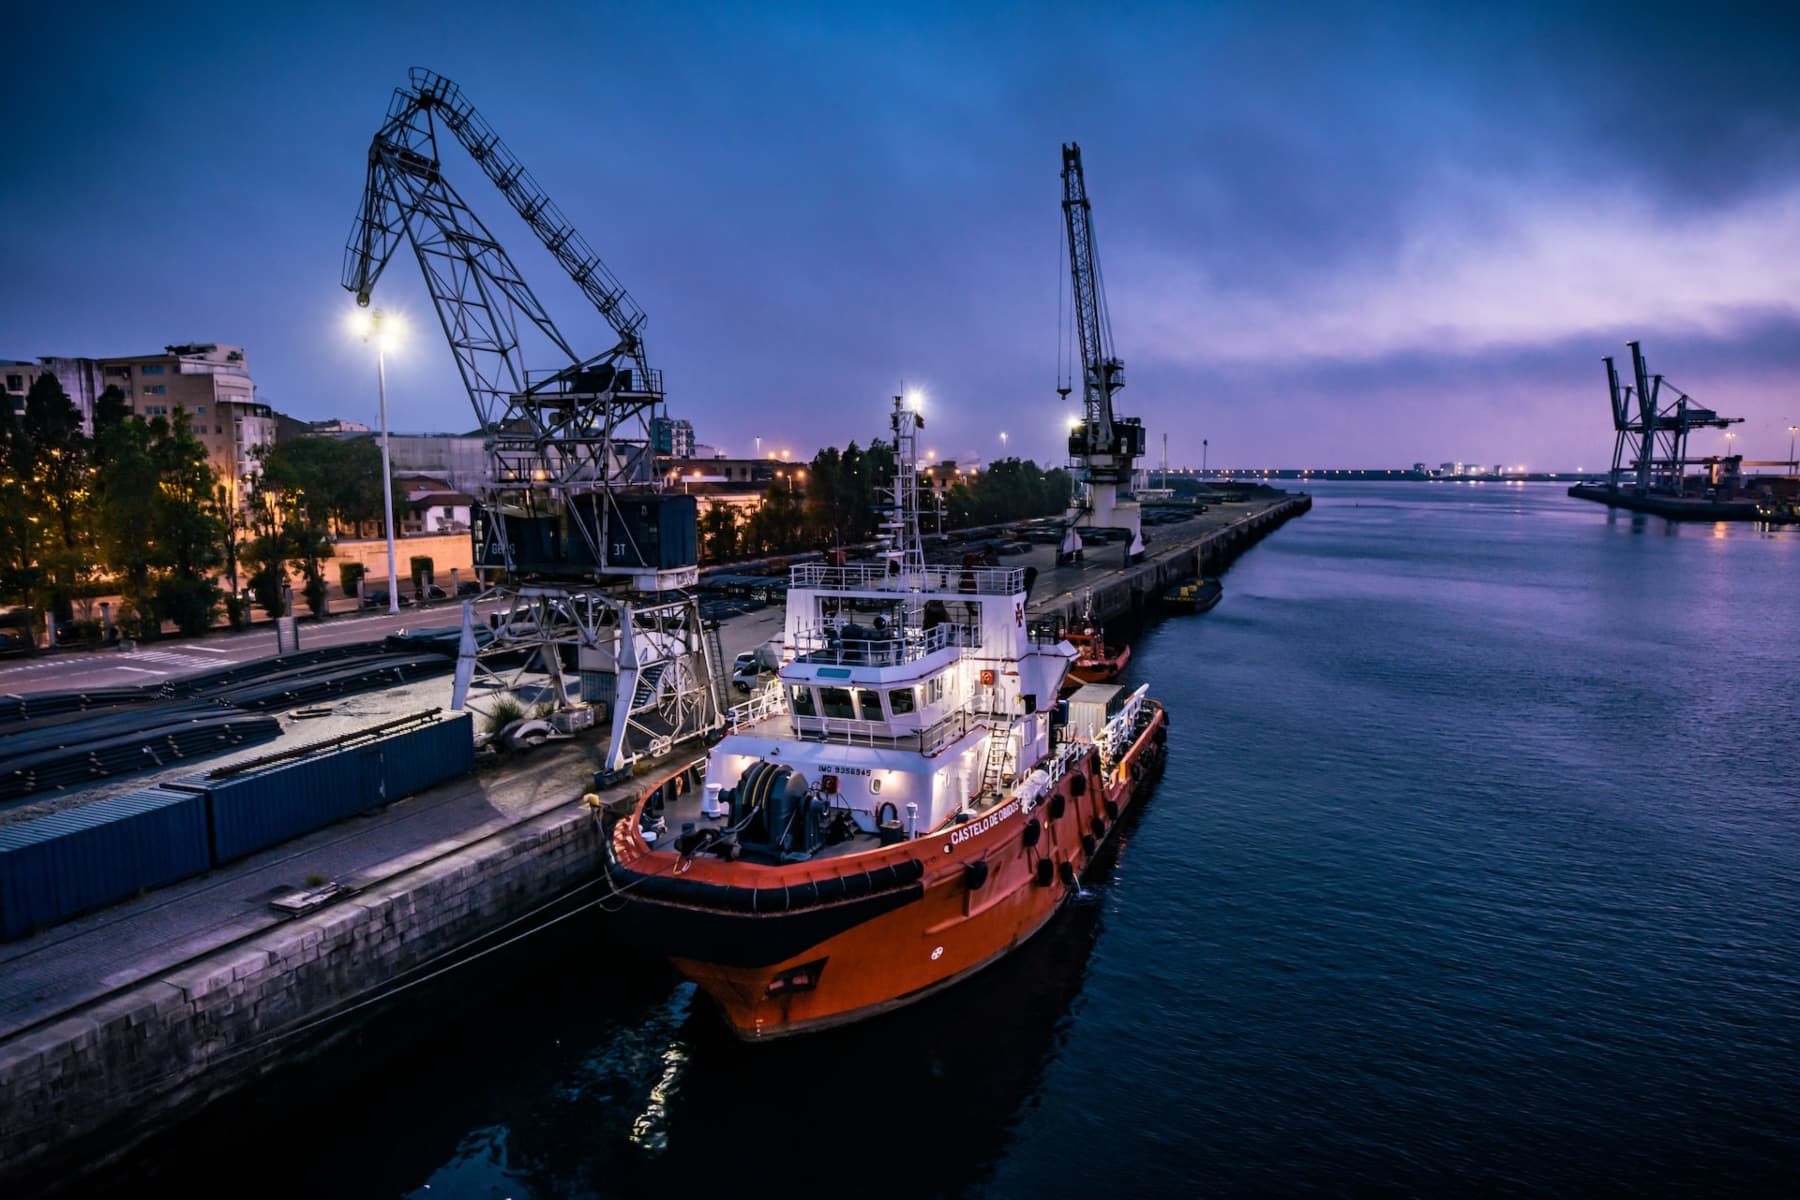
<point x="901" y="700"/>
<point x="835" y="702"/>
<point x="803" y="701"/>
<point x="870" y="703"/>
<point x="934" y="689"/>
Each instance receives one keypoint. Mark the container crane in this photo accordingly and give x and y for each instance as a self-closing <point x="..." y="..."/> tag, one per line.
<point x="1102" y="445"/>
<point x="587" y="557"/>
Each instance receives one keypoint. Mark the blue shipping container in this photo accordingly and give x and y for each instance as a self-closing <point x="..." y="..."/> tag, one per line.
<point x="425" y="757"/>
<point x="262" y="808"/>
<point x="65" y="864"/>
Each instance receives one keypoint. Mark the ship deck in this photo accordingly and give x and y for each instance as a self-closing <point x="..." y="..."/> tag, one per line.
<point x="685" y="809"/>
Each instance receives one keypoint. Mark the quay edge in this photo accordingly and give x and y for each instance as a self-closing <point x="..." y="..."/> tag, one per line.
<point x="83" y="1087"/>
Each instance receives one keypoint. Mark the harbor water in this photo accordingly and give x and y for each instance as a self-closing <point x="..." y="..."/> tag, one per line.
<point x="1476" y="870"/>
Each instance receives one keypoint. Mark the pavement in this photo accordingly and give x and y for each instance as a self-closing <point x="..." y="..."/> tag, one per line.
<point x="75" y="963"/>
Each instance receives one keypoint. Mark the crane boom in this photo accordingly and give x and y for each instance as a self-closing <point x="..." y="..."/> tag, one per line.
<point x="1104" y="445"/>
<point x="570" y="497"/>
<point x="1102" y="373"/>
<point x="561" y="442"/>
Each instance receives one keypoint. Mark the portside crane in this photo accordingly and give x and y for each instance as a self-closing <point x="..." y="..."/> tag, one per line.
<point x="585" y="555"/>
<point x="1103" y="445"/>
<point x="1655" y="429"/>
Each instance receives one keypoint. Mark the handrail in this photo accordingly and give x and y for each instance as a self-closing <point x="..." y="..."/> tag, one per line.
<point x="825" y="643"/>
<point x="880" y="577"/>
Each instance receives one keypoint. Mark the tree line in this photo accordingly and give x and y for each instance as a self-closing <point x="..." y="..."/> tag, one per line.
<point x="842" y="496"/>
<point x="135" y="510"/>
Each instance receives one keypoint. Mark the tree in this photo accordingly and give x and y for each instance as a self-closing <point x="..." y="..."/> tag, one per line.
<point x="719" y="532"/>
<point x="189" y="532"/>
<point x="48" y="464"/>
<point x="157" y="522"/>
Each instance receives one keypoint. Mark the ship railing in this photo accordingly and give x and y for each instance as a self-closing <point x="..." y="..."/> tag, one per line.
<point x="768" y="701"/>
<point x="849" y="732"/>
<point x="846" y="644"/>
<point x="887" y="577"/>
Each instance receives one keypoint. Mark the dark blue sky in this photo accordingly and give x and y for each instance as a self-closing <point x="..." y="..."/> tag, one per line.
<point x="1352" y="235"/>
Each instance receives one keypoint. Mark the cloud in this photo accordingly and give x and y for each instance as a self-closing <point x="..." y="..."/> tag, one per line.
<point x="1547" y="270"/>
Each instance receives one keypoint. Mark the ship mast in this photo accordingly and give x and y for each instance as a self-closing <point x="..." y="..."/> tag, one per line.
<point x="902" y="546"/>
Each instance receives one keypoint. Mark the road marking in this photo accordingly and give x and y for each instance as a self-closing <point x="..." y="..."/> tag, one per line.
<point x="204" y="649"/>
<point x="141" y="670"/>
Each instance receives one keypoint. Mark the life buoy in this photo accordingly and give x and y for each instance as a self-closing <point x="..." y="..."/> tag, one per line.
<point x="681" y="784"/>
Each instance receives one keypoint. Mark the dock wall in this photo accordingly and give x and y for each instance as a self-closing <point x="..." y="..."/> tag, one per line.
<point x="1135" y="588"/>
<point x="86" y="1087"/>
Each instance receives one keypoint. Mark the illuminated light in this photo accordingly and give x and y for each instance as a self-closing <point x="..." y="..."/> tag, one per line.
<point x="361" y="322"/>
<point x="1074" y="424"/>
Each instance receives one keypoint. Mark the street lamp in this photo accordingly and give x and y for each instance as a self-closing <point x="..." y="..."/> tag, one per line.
<point x="385" y="331"/>
<point x="1792" y="429"/>
<point x="1003" y="443"/>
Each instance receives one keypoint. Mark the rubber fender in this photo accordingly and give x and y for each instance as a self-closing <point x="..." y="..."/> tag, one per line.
<point x="771" y="900"/>
<point x="857" y="885"/>
<point x="803" y="895"/>
<point x="910" y="871"/>
<point x="1046" y="872"/>
<point x="1089" y="844"/>
<point x="1059" y="804"/>
<point x="1033" y="829"/>
<point x="882" y="879"/>
<point x="1078" y="785"/>
<point x="1098" y="826"/>
<point x="975" y="874"/>
<point x="1067" y="871"/>
<point x="740" y="899"/>
<point x="831" y="890"/>
<point x="1112" y="809"/>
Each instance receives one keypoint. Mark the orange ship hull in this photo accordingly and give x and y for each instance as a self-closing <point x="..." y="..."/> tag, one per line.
<point x="804" y="946"/>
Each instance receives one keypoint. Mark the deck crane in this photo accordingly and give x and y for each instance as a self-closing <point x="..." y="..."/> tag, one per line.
<point x="587" y="558"/>
<point x="1102" y="445"/>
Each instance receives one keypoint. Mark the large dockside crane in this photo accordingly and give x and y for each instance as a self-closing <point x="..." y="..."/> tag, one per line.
<point x="585" y="555"/>
<point x="1103" y="447"/>
<point x="1655" y="430"/>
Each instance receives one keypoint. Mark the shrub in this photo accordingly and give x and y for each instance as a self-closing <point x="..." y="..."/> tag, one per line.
<point x="234" y="612"/>
<point x="349" y="575"/>
<point x="421" y="570"/>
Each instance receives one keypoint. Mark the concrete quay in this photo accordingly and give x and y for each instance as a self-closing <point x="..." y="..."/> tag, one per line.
<point x="1172" y="555"/>
<point x="117" y="1025"/>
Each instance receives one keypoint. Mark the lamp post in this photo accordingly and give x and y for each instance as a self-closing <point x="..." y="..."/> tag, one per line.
<point x="1003" y="443"/>
<point x="373" y="324"/>
<point x="1792" y="429"/>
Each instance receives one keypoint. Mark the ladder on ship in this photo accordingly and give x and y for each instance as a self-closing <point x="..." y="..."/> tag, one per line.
<point x="999" y="743"/>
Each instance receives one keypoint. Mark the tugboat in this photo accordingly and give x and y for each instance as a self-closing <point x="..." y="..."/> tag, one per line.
<point x="1095" y="660"/>
<point x="1193" y="596"/>
<point x="900" y="808"/>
